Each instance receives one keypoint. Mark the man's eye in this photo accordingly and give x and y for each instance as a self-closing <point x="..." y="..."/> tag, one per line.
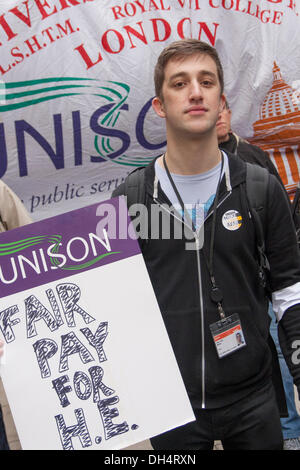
<point x="206" y="83"/>
<point x="179" y="84"/>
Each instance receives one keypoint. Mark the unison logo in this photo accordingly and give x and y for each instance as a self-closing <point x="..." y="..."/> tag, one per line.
<point x="110" y="143"/>
<point x="85" y="252"/>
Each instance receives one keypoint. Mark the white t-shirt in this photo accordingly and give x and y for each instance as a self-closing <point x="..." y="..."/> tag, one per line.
<point x="196" y="191"/>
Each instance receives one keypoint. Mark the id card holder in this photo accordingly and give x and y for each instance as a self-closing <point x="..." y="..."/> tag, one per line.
<point x="228" y="335"/>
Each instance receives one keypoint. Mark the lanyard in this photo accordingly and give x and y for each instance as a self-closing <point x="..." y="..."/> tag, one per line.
<point x="216" y="293"/>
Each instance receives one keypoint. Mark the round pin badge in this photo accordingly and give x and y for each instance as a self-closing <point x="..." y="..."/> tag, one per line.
<point x="232" y="220"/>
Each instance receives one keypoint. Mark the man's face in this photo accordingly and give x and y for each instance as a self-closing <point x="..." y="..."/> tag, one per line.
<point x="191" y="96"/>
<point x="224" y="125"/>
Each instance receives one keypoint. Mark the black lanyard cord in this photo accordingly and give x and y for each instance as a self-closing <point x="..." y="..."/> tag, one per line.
<point x="216" y="200"/>
<point x="216" y="293"/>
<point x="185" y="212"/>
<point x="213" y="230"/>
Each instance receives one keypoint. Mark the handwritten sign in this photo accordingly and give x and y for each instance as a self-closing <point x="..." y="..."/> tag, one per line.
<point x="89" y="364"/>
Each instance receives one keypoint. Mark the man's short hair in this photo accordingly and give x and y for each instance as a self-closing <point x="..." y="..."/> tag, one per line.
<point x="179" y="49"/>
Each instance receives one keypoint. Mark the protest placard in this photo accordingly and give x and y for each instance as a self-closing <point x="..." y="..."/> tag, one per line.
<point x="88" y="364"/>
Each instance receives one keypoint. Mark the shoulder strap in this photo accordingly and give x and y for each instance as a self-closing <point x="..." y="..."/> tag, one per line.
<point x="135" y="187"/>
<point x="296" y="200"/>
<point x="296" y="212"/>
<point x="257" y="179"/>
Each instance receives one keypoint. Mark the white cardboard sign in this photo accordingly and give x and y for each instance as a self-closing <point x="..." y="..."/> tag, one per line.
<point x="89" y="364"/>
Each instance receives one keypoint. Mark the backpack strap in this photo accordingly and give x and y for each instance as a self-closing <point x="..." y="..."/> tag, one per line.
<point x="135" y="187"/>
<point x="296" y="212"/>
<point x="296" y="200"/>
<point x="135" y="192"/>
<point x="257" y="180"/>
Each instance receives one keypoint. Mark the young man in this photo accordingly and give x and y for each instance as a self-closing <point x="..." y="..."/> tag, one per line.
<point x="211" y="290"/>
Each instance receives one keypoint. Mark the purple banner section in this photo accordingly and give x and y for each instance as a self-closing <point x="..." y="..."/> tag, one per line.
<point x="65" y="245"/>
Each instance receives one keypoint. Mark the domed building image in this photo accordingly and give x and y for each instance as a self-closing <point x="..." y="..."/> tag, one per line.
<point x="278" y="130"/>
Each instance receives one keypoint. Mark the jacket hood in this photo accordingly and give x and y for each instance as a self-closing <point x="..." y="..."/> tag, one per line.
<point x="237" y="174"/>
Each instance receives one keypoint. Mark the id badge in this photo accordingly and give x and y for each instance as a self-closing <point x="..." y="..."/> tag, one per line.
<point x="228" y="335"/>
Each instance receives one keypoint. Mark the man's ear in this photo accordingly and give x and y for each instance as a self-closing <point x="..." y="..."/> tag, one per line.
<point x="158" y="107"/>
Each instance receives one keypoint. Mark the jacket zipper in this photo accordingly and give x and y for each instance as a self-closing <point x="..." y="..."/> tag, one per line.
<point x="197" y="243"/>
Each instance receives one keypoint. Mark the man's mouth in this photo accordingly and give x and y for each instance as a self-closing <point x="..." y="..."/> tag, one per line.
<point x="196" y="110"/>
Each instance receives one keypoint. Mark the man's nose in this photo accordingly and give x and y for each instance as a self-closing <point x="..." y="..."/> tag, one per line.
<point x="196" y="92"/>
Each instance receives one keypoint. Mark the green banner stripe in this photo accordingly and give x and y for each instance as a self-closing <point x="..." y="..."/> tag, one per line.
<point x="113" y="124"/>
<point x="113" y="109"/>
<point x="109" y="146"/>
<point x="104" y="96"/>
<point x="97" y="146"/>
<point x="122" y="85"/>
<point x="44" y="80"/>
<point x="103" y="145"/>
<point x="114" y="92"/>
<point x="12" y="96"/>
<point x="25" y="104"/>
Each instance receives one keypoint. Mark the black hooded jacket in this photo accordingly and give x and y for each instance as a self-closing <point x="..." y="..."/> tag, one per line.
<point x="182" y="284"/>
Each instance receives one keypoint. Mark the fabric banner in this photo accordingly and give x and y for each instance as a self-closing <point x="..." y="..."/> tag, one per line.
<point x="89" y="364"/>
<point x="77" y="83"/>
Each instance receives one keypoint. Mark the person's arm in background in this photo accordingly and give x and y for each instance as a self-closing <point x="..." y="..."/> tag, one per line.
<point x="12" y="211"/>
<point x="284" y="281"/>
